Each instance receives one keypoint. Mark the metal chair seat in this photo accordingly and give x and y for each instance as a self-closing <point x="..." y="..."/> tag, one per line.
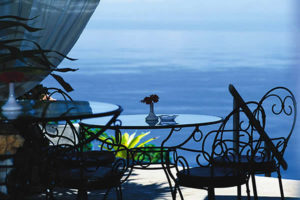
<point x="216" y="177"/>
<point x="258" y="164"/>
<point x="90" y="158"/>
<point x="89" y="178"/>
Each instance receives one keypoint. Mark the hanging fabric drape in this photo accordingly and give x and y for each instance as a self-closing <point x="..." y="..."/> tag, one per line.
<point x="61" y="23"/>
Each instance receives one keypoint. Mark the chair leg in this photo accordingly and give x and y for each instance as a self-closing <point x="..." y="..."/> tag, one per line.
<point x="180" y="193"/>
<point x="49" y="194"/>
<point x="173" y="190"/>
<point x="254" y="187"/>
<point x="248" y="190"/>
<point x="119" y="193"/>
<point x="280" y="184"/>
<point x="211" y="193"/>
<point x="239" y="192"/>
<point x="174" y="193"/>
<point x="106" y="194"/>
<point x="82" y="195"/>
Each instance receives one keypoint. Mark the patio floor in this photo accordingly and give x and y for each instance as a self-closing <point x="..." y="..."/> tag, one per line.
<point x="151" y="185"/>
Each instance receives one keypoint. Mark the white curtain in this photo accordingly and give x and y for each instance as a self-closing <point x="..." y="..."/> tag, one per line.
<point x="62" y="22"/>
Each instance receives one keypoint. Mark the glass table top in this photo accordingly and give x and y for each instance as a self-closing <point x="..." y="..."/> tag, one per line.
<point x="59" y="110"/>
<point x="138" y="121"/>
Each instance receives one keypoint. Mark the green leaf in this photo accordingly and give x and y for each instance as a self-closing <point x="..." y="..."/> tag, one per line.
<point x="72" y="59"/>
<point x="17" y="17"/>
<point x="38" y="55"/>
<point x="102" y="138"/>
<point x="65" y="69"/>
<point x="104" y="135"/>
<point x="15" y="53"/>
<point x="124" y="141"/>
<point x="131" y="137"/>
<point x="8" y="24"/>
<point x="39" y="52"/>
<point x="62" y="82"/>
<point x="142" y="144"/>
<point x="137" y="139"/>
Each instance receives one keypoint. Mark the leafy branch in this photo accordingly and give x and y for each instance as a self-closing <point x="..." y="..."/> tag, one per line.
<point x="27" y="60"/>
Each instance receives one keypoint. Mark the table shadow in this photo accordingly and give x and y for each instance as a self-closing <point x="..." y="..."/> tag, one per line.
<point x="130" y="191"/>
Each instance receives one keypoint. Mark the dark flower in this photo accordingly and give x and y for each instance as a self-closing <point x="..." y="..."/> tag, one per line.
<point x="154" y="98"/>
<point x="147" y="100"/>
<point x="151" y="99"/>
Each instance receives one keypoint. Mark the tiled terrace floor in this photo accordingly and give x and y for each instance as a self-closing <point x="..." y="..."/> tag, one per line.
<point x="152" y="185"/>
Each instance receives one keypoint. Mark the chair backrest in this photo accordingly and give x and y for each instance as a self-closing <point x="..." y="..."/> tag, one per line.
<point x="280" y="108"/>
<point x="259" y="126"/>
<point x="108" y="143"/>
<point x="57" y="132"/>
<point x="56" y="92"/>
<point x="69" y="151"/>
<point x="40" y="92"/>
<point x="220" y="143"/>
<point x="232" y="151"/>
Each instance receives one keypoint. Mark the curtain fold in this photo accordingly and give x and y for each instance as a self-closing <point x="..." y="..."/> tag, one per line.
<point x="62" y="22"/>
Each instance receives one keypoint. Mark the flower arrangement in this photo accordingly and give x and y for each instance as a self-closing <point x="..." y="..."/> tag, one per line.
<point x="151" y="118"/>
<point x="150" y="99"/>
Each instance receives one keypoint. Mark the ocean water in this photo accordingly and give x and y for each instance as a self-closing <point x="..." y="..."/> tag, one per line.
<point x="190" y="70"/>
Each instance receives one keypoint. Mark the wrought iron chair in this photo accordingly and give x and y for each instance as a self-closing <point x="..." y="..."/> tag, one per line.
<point x="25" y="170"/>
<point x="202" y="170"/>
<point x="72" y="165"/>
<point x="91" y="170"/>
<point x="278" y="120"/>
<point x="64" y="160"/>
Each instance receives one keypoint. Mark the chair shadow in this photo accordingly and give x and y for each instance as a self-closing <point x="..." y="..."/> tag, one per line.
<point x="130" y="191"/>
<point x="219" y="197"/>
<point x="133" y="191"/>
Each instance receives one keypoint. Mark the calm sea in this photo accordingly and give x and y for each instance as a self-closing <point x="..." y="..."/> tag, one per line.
<point x="189" y="69"/>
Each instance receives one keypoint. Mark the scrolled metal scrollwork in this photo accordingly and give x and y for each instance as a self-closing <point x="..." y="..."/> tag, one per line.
<point x="285" y="98"/>
<point x="196" y="132"/>
<point x="200" y="161"/>
<point x="107" y="144"/>
<point x="51" y="92"/>
<point x="117" y="123"/>
<point x="141" y="157"/>
<point x="289" y="106"/>
<point x="182" y="164"/>
<point x="60" y="134"/>
<point x="120" y="166"/>
<point x="283" y="104"/>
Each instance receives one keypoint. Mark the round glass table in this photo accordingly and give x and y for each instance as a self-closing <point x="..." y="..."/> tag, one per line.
<point x="192" y="121"/>
<point x="138" y="121"/>
<point x="40" y="111"/>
